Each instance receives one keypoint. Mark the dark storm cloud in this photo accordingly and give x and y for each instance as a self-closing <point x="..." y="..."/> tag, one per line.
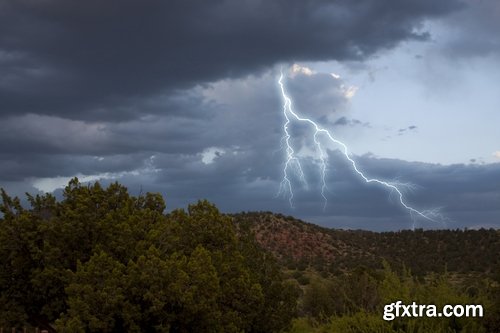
<point x="164" y="153"/>
<point x="467" y="194"/>
<point x="141" y="89"/>
<point x="180" y="130"/>
<point x="460" y="190"/>
<point x="16" y="167"/>
<point x="99" y="59"/>
<point x="34" y="146"/>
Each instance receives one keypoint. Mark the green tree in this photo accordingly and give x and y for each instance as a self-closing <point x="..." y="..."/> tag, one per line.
<point x="97" y="298"/>
<point x="19" y="256"/>
<point x="101" y="260"/>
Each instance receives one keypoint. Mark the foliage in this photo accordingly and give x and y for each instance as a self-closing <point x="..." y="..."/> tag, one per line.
<point x="355" y="303"/>
<point x="101" y="260"/>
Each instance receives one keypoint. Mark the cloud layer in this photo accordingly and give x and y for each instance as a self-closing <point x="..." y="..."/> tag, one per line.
<point x="97" y="60"/>
<point x="180" y="97"/>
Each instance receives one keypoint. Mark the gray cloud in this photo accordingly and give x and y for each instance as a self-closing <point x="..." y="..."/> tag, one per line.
<point x="96" y="60"/>
<point x="319" y="95"/>
<point x="247" y="175"/>
<point x="344" y="121"/>
<point x="17" y="167"/>
<point x="467" y="195"/>
<point x="476" y="29"/>
<point x="408" y="129"/>
<point x="140" y="92"/>
<point x="246" y="119"/>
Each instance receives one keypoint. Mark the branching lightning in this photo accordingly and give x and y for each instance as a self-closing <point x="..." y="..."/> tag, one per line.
<point x="292" y="162"/>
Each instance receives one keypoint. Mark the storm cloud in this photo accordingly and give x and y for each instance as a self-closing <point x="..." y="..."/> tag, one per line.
<point x="180" y="97"/>
<point x="96" y="60"/>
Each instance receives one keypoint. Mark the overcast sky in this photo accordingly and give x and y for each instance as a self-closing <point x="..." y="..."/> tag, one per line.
<point x="181" y="97"/>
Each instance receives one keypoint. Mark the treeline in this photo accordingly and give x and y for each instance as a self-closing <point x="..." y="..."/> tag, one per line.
<point x="101" y="260"/>
<point x="424" y="251"/>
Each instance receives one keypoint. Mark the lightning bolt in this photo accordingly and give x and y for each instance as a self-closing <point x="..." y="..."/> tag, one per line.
<point x="293" y="162"/>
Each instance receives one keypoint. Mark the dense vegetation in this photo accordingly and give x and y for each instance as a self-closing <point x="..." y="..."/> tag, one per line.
<point x="101" y="260"/>
<point x="354" y="302"/>
<point x="348" y="276"/>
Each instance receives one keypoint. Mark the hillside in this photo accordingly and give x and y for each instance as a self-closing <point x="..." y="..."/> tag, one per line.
<point x="298" y="244"/>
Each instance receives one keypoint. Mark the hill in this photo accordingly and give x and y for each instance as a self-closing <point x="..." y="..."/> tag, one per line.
<point x="298" y="244"/>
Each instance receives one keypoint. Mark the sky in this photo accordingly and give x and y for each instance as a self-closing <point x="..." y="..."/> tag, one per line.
<point x="182" y="98"/>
